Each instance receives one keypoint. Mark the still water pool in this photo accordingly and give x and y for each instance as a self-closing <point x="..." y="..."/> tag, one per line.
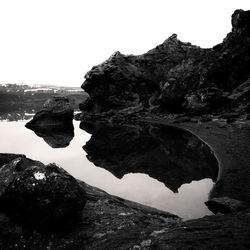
<point x="168" y="169"/>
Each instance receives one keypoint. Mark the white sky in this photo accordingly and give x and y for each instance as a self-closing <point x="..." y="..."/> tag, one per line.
<point x="58" y="41"/>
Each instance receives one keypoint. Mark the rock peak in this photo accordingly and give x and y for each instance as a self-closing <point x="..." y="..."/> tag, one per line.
<point x="163" y="77"/>
<point x="240" y="18"/>
<point x="173" y="37"/>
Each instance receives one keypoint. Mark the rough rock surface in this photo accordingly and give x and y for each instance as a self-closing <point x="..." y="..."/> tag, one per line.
<point x="204" y="100"/>
<point x="168" y="154"/>
<point x="56" y="111"/>
<point x="225" y="205"/>
<point x="6" y="158"/>
<point x="165" y="77"/>
<point x="39" y="195"/>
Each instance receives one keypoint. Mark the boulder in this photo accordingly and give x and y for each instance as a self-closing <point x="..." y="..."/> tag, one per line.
<point x="56" y="111"/>
<point x="39" y="195"/>
<point x="225" y="205"/>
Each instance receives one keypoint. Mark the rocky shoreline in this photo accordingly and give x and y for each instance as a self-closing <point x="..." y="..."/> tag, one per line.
<point x="109" y="222"/>
<point x="204" y="91"/>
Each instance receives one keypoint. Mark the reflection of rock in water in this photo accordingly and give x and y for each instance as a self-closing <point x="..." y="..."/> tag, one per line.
<point x="170" y="155"/>
<point x="54" y="122"/>
<point x="56" y="136"/>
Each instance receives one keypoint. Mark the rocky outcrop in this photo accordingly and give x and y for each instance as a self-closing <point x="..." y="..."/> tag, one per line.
<point x="56" y="111"/>
<point x="170" y="155"/>
<point x="171" y="74"/>
<point x="37" y="195"/>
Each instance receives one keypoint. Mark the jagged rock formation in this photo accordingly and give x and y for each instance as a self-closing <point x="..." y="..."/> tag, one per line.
<point x="37" y="195"/>
<point x="56" y="111"/>
<point x="170" y="155"/>
<point x="166" y="76"/>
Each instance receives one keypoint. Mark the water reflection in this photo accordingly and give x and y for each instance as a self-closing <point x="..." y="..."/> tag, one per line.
<point x="170" y="155"/>
<point x="56" y="136"/>
<point x="17" y="112"/>
<point x="188" y="202"/>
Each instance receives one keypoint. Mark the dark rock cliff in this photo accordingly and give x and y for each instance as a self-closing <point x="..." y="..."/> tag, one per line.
<point x="168" y="77"/>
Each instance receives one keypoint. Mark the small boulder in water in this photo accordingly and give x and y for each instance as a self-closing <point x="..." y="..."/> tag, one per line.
<point x="225" y="205"/>
<point x="56" y="111"/>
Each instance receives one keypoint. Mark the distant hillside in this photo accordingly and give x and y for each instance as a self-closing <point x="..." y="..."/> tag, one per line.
<point x="16" y="97"/>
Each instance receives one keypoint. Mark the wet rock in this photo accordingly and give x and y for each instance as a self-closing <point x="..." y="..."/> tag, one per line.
<point x="38" y="195"/>
<point x="170" y="155"/>
<point x="225" y="205"/>
<point x="56" y="111"/>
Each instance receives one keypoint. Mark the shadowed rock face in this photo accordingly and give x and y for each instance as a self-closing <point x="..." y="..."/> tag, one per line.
<point x="162" y="77"/>
<point x="56" y="111"/>
<point x="170" y="155"/>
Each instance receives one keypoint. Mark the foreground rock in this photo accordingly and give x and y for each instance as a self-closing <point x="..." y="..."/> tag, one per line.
<point x="56" y="111"/>
<point x="175" y="76"/>
<point x="109" y="222"/>
<point x="6" y="158"/>
<point x="38" y="195"/>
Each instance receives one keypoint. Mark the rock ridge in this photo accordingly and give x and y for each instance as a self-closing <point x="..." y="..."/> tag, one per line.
<point x="165" y="78"/>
